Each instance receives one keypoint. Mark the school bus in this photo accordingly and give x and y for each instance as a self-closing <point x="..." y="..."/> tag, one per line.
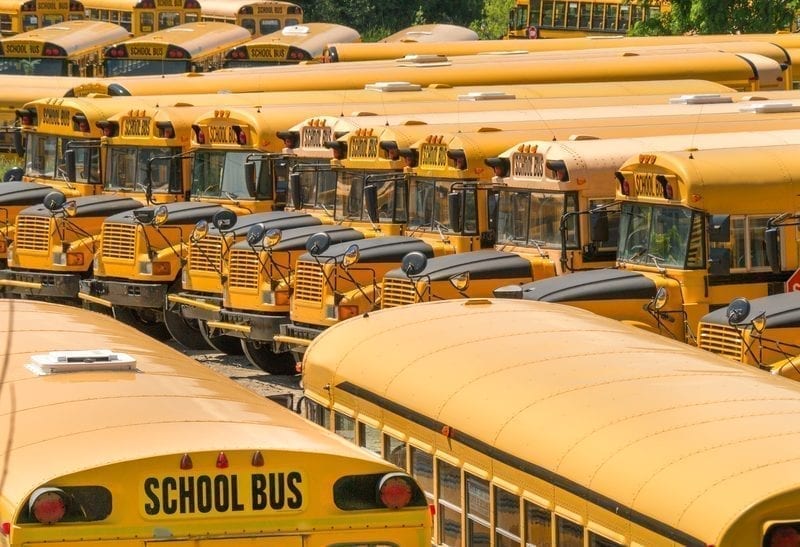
<point x="688" y="243"/>
<point x="187" y="48"/>
<point x="540" y="197"/>
<point x="22" y="16"/>
<point x="260" y="17"/>
<point x="221" y="464"/>
<point x="295" y="44"/>
<point x="141" y="17"/>
<point x="742" y="72"/>
<point x="74" y="48"/>
<point x="532" y="19"/>
<point x="604" y="435"/>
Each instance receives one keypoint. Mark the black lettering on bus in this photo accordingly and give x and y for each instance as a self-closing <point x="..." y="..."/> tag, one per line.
<point x="154" y="506"/>
<point x="169" y="485"/>
<point x="204" y="494"/>
<point x="221" y="494"/>
<point x="277" y="491"/>
<point x="236" y="505"/>
<point x="295" y="501"/>
<point x="186" y="494"/>
<point x="258" y="487"/>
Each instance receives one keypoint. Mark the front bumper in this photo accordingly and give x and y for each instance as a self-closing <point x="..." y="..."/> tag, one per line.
<point x="42" y="284"/>
<point x="250" y="326"/>
<point x="123" y="293"/>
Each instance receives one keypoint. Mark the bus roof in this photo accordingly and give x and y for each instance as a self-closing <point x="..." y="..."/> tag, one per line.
<point x="436" y="32"/>
<point x="70" y="36"/>
<point x="650" y="428"/>
<point x="176" y="404"/>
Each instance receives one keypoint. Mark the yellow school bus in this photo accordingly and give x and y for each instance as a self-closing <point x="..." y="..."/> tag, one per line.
<point x="144" y="16"/>
<point x="295" y="44"/>
<point x="539" y="199"/>
<point x="221" y="464"/>
<point x="742" y="72"/>
<point x="187" y="48"/>
<point x="73" y="48"/>
<point x="260" y="17"/>
<point x="688" y="243"/>
<point x="540" y="424"/>
<point x="24" y="15"/>
<point x="436" y="32"/>
<point x="533" y="19"/>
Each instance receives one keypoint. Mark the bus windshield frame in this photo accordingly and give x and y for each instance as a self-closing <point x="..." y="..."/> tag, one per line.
<point x="661" y="236"/>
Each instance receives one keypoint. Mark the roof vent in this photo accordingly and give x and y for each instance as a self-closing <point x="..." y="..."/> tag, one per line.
<point x="770" y="108"/>
<point x="486" y="96"/>
<point x="423" y="60"/>
<point x="393" y="86"/>
<point x="79" y="361"/>
<point x="701" y="98"/>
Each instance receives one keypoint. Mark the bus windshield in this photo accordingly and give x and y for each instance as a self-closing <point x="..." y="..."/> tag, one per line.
<point x="317" y="188"/>
<point x="525" y="217"/>
<point x="127" y="169"/>
<point x="660" y="236"/>
<point x="350" y="198"/>
<point x="44" y="157"/>
<point x="429" y="207"/>
<point x="143" y="67"/>
<point x="218" y="173"/>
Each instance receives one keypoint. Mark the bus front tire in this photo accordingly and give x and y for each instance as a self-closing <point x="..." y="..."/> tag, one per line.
<point x="229" y="345"/>
<point x="186" y="332"/>
<point x="263" y="356"/>
<point x="142" y="320"/>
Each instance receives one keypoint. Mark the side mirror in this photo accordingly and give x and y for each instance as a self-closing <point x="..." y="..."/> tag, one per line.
<point x="454" y="210"/>
<point x="773" y="249"/>
<point x="295" y="191"/>
<point x="598" y="226"/>
<point x="224" y="220"/>
<point x="70" y="168"/>
<point x="54" y="200"/>
<point x="318" y="243"/>
<point x="719" y="228"/>
<point x="737" y="311"/>
<point x="720" y="261"/>
<point x="19" y="149"/>
<point x="250" y="177"/>
<point x="371" y="202"/>
<point x="13" y="174"/>
<point x="413" y="263"/>
<point x="255" y="234"/>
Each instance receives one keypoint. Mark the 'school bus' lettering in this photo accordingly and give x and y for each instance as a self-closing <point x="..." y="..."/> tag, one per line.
<point x="278" y="10"/>
<point x="363" y="147"/>
<point x="32" y="48"/>
<point x="222" y="134"/>
<point x="56" y="116"/>
<point x="169" y="3"/>
<point x="266" y="52"/>
<point x="528" y="165"/>
<point x="315" y="137"/>
<point x="136" y="127"/>
<point x="146" y="51"/>
<point x="434" y="155"/>
<point x="644" y="184"/>
<point x="221" y="494"/>
<point x="53" y="5"/>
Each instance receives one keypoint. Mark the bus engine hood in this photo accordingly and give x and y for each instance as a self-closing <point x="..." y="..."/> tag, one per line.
<point x="603" y="284"/>
<point x="89" y="206"/>
<point x="179" y="213"/>
<point x="488" y="264"/>
<point x="23" y="193"/>
<point x="781" y="310"/>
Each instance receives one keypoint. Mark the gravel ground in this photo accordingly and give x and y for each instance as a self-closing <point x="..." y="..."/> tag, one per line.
<point x="240" y="370"/>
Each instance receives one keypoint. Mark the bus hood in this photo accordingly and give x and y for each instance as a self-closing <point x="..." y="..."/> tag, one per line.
<point x="781" y="310"/>
<point x="179" y="213"/>
<point x="603" y="284"/>
<point x="90" y="206"/>
<point x="487" y="264"/>
<point x="23" y="193"/>
<point x="295" y="238"/>
<point x="271" y="219"/>
<point x="375" y="250"/>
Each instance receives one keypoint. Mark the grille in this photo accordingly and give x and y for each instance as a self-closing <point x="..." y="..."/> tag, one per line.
<point x="33" y="233"/>
<point x="397" y="292"/>
<point x="119" y="241"/>
<point x="206" y="255"/>
<point x="720" y="339"/>
<point x="243" y="272"/>
<point x="308" y="282"/>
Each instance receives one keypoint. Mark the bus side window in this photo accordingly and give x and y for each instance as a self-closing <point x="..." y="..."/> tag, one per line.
<point x="395" y="451"/>
<point x="369" y="438"/>
<point x="449" y="508"/>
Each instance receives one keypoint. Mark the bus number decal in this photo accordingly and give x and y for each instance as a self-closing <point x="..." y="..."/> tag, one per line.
<point x="23" y="48"/>
<point x="56" y="116"/>
<point x="644" y="184"/>
<point x="267" y="52"/>
<point x="222" y="134"/>
<point x="146" y="51"/>
<point x="364" y="147"/>
<point x="136" y="127"/>
<point x="528" y="165"/>
<point x="222" y="494"/>
<point x="432" y="155"/>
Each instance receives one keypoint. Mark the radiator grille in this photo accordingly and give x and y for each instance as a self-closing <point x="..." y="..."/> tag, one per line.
<point x="243" y="272"/>
<point x="33" y="233"/>
<point x="119" y="241"/>
<point x="206" y="255"/>
<point x="720" y="339"/>
<point x="308" y="282"/>
<point x="398" y="292"/>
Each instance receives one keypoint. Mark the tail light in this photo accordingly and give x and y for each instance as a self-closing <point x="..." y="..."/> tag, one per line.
<point x="48" y="505"/>
<point x="396" y="490"/>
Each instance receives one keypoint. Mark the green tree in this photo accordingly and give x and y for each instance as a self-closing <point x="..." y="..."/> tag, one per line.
<point x="731" y="16"/>
<point x="493" y="23"/>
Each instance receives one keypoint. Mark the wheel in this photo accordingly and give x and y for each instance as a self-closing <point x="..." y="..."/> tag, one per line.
<point x="261" y="355"/>
<point x="225" y="344"/>
<point x="186" y="332"/>
<point x="144" y="320"/>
